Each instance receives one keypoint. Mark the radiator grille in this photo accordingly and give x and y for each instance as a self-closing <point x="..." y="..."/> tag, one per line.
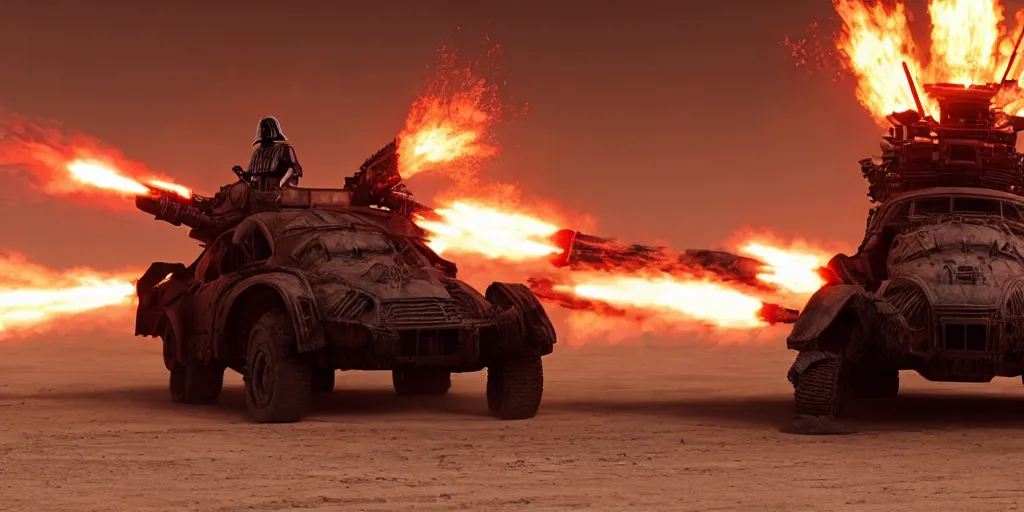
<point x="349" y="305"/>
<point x="420" y="313"/>
<point x="965" y="337"/>
<point x="1015" y="302"/>
<point x="464" y="303"/>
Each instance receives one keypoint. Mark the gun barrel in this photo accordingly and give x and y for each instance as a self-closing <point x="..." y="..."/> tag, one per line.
<point x="913" y="90"/>
<point x="172" y="209"/>
<point x="776" y="314"/>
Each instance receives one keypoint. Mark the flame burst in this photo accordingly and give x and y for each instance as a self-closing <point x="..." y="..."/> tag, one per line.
<point x="494" y="234"/>
<point x="968" y="41"/>
<point x="876" y="41"/>
<point x="33" y="298"/>
<point x="969" y="46"/>
<point x="700" y="301"/>
<point x="448" y="127"/>
<point x="105" y="178"/>
<point x="74" y="165"/>
<point x="793" y="270"/>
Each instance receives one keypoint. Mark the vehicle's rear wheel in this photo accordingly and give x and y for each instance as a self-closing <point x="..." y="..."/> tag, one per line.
<point x="822" y="388"/>
<point x="421" y="381"/>
<point x="515" y="387"/>
<point x="278" y="380"/>
<point x="876" y="382"/>
<point x="323" y="381"/>
<point x="196" y="383"/>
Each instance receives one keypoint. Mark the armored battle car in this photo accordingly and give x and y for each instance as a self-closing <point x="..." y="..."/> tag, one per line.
<point x="937" y="286"/>
<point x="290" y="295"/>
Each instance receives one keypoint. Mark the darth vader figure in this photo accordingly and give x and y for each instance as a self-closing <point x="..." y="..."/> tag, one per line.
<point x="274" y="164"/>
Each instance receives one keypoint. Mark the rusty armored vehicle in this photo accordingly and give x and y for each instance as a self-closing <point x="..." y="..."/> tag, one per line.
<point x="937" y="286"/>
<point x="304" y="282"/>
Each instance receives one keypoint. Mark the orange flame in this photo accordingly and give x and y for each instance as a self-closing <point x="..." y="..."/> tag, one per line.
<point x="107" y="178"/>
<point x="74" y="165"/>
<point x="969" y="46"/>
<point x="793" y="270"/>
<point x="473" y="228"/>
<point x="449" y="125"/>
<point x="876" y="40"/>
<point x="701" y="301"/>
<point x="33" y="298"/>
<point x="966" y="41"/>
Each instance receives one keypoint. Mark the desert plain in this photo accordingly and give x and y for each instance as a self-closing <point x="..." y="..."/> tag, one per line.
<point x="87" y="425"/>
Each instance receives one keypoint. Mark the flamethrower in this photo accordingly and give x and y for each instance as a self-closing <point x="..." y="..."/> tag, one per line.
<point x="175" y="209"/>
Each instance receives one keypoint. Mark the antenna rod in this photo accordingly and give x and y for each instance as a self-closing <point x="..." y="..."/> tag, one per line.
<point x="913" y="89"/>
<point x="1013" y="56"/>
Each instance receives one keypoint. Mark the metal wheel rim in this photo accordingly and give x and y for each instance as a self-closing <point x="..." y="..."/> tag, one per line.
<point x="261" y="379"/>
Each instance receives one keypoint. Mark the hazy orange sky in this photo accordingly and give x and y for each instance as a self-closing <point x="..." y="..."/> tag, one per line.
<point x="679" y="123"/>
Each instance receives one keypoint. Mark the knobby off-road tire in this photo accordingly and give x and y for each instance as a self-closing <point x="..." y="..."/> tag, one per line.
<point x="193" y="383"/>
<point x="822" y="389"/>
<point x="515" y="387"/>
<point x="421" y="381"/>
<point x="277" y="387"/>
<point x="876" y="382"/>
<point x="322" y="381"/>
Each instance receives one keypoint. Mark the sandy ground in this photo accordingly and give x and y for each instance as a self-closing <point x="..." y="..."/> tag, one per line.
<point x="628" y="427"/>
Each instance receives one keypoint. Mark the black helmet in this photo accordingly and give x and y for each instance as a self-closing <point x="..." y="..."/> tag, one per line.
<point x="269" y="129"/>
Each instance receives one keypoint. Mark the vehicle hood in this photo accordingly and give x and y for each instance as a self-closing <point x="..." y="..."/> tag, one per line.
<point x="958" y="261"/>
<point x="384" y="279"/>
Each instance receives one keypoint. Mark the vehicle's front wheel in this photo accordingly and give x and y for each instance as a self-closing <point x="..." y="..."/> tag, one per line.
<point x="822" y="388"/>
<point x="421" y="381"/>
<point x="515" y="387"/>
<point x="278" y="380"/>
<point x="196" y="383"/>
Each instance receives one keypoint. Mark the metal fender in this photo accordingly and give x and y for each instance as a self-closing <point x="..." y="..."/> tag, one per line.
<point x="821" y="310"/>
<point x="536" y="326"/>
<point x="156" y="273"/>
<point x="1011" y="288"/>
<point x="158" y="313"/>
<point x="294" y="292"/>
<point x="173" y="323"/>
<point x="152" y="304"/>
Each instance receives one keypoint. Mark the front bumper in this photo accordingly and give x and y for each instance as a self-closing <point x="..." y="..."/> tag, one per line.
<point x="359" y="346"/>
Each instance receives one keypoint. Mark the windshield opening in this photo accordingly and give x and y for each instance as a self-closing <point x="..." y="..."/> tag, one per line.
<point x="932" y="206"/>
<point x="975" y="205"/>
<point x="1012" y="212"/>
<point x="898" y="214"/>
